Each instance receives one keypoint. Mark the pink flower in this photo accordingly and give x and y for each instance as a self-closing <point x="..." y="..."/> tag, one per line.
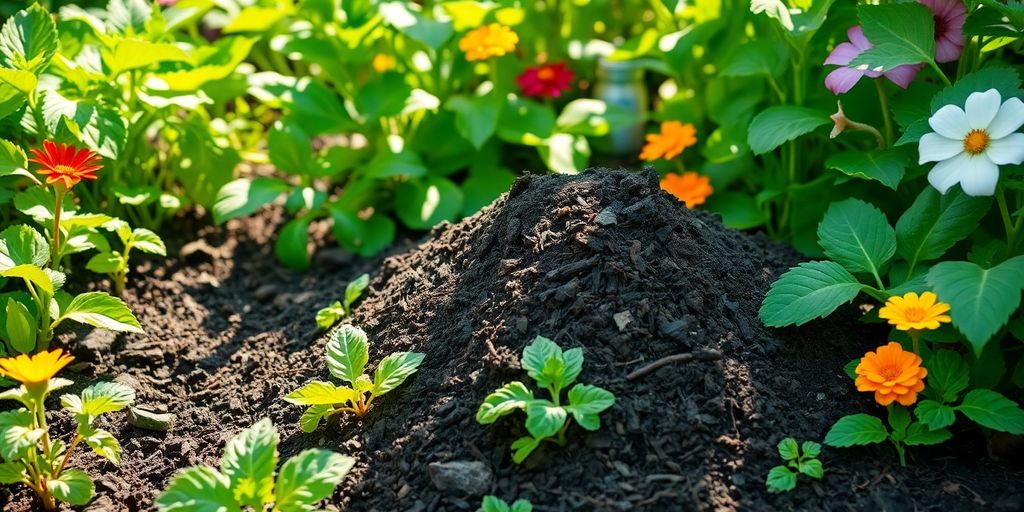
<point x="949" y="28"/>
<point x="843" y="79"/>
<point x="546" y="80"/>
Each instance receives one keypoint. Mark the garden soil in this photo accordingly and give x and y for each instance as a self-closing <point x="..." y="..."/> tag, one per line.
<point x="602" y="260"/>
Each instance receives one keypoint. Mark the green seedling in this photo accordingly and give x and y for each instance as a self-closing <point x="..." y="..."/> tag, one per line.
<point x="327" y="317"/>
<point x="248" y="477"/>
<point x="115" y="263"/>
<point x="797" y="460"/>
<point x="347" y="355"/>
<point x="496" y="504"/>
<point x="547" y="420"/>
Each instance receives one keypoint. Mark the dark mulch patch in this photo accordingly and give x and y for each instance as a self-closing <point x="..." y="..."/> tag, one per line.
<point x="229" y="333"/>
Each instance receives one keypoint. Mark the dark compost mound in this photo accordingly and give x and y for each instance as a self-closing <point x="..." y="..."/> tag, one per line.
<point x="604" y="261"/>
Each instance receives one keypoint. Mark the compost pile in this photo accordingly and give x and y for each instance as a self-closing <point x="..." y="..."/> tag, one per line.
<point x="603" y="260"/>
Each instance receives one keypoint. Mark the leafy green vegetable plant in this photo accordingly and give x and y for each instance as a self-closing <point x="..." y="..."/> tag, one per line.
<point x="547" y="419"/>
<point x="249" y="477"/>
<point x="862" y="429"/>
<point x="496" y="504"/>
<point x="347" y="353"/>
<point x="115" y="262"/>
<point x="796" y="460"/>
<point x="327" y="317"/>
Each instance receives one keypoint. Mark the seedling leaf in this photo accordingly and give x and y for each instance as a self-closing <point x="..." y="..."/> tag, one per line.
<point x="586" y="402"/>
<point x="394" y="369"/>
<point x="249" y="461"/>
<point x="198" y="489"/>
<point x="348" y="353"/>
<point x="508" y="398"/>
<point x="308" y="478"/>
<point x="321" y="393"/>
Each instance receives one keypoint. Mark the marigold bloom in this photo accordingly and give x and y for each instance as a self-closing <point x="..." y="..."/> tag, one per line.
<point x="913" y="312"/>
<point x="546" y="80"/>
<point x="690" y="188"/>
<point x="670" y="142"/>
<point x="35" y="369"/>
<point x="494" y="40"/>
<point x="892" y="373"/>
<point x="64" y="163"/>
<point x="383" y="63"/>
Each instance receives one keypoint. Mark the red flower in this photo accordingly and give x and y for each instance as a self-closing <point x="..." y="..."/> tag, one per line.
<point x="546" y="80"/>
<point x="64" y="163"/>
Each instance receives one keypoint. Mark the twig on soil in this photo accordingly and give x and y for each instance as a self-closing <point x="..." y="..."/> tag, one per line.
<point x="701" y="355"/>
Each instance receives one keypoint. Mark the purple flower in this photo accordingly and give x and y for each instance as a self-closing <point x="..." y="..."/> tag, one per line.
<point x="843" y="79"/>
<point x="949" y="28"/>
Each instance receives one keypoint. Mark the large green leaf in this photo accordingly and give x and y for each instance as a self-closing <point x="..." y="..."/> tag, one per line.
<point x="321" y="393"/>
<point x="544" y="419"/>
<point x="243" y="197"/>
<point x="22" y="245"/>
<point x="97" y="125"/>
<point x="21" y="327"/>
<point x="934" y="415"/>
<point x="101" y="310"/>
<point x="536" y="360"/>
<point x="290" y="148"/>
<point x="901" y="34"/>
<point x="73" y="486"/>
<point x="308" y="478"/>
<point x="808" y="291"/>
<point x="886" y="167"/>
<point x="383" y="97"/>
<point x="128" y="54"/>
<point x="198" y="489"/>
<point x="565" y="153"/>
<point x="857" y="235"/>
<point x="33" y="274"/>
<point x="993" y="410"/>
<point x="510" y="397"/>
<point x="476" y="117"/>
<point x="249" y="462"/>
<point x="292" y="245"/>
<point x="394" y="369"/>
<point x="981" y="300"/>
<point x="99" y="398"/>
<point x="424" y="203"/>
<point x="17" y="436"/>
<point x="103" y="443"/>
<point x="856" y="429"/>
<point x="935" y="222"/>
<point x="28" y="40"/>
<point x="347" y="353"/>
<point x="586" y="402"/>
<point x="778" y="125"/>
<point x="948" y="374"/>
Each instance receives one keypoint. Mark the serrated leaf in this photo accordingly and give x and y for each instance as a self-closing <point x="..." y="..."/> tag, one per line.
<point x="780" y="479"/>
<point x="102" y="442"/>
<point x="778" y="125"/>
<point x="127" y="54"/>
<point x="73" y="486"/>
<point x="523" y="447"/>
<point x="857" y="235"/>
<point x="148" y="242"/>
<point x="311" y="418"/>
<point x="808" y="291"/>
<point x="811" y="449"/>
<point x="198" y="489"/>
<point x="308" y="478"/>
<point x="33" y="274"/>
<point x="510" y="397"/>
<point x="901" y="34"/>
<point x="330" y="315"/>
<point x="920" y="435"/>
<point x="935" y="222"/>
<point x="544" y="419"/>
<point x="355" y="289"/>
<point x="249" y="462"/>
<point x="99" y="398"/>
<point x="347" y="353"/>
<point x="789" y="449"/>
<point x="321" y="393"/>
<point x="886" y="167"/>
<point x="16" y="434"/>
<point x="993" y="410"/>
<point x="981" y="300"/>
<point x="101" y="310"/>
<point x="948" y="374"/>
<point x="856" y="429"/>
<point x="586" y="402"/>
<point x="22" y="245"/>
<point x="535" y="359"/>
<point x="28" y="40"/>
<point x="12" y="473"/>
<point x="812" y="468"/>
<point x="393" y="370"/>
<point x="934" y="415"/>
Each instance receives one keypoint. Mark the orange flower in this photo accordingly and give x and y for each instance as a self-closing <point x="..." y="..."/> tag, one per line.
<point x="690" y="188"/>
<point x="36" y="369"/>
<point x="488" y="41"/>
<point x="670" y="143"/>
<point x="383" y="62"/>
<point x="913" y="313"/>
<point x="892" y="373"/>
<point x="64" y="163"/>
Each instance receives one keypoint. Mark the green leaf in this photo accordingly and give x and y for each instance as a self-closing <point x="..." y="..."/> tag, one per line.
<point x="886" y="166"/>
<point x="544" y="419"/>
<point x="948" y="374"/>
<point x="330" y="315"/>
<point x="128" y="54"/>
<point x="850" y="368"/>
<point x="148" y="242"/>
<point x="255" y="18"/>
<point x="384" y="97"/>
<point x="99" y="398"/>
<point x="386" y="164"/>
<point x="521" y="506"/>
<point x="308" y="478"/>
<point x="857" y="235"/>
<point x="347" y="353"/>
<point x="527" y="122"/>
<point x="17" y="436"/>
<point x="934" y="415"/>
<point x="12" y="158"/>
<point x="311" y="418"/>
<point x="21" y="327"/>
<point x="363" y="237"/>
<point x="290" y="148"/>
<point x="322" y="393"/>
<point x="565" y="153"/>
<point x="73" y="486"/>
<point x="586" y="402"/>
<point x="592" y="118"/>
<point x="573" y="361"/>
<point x="755" y="58"/>
<point x="28" y="40"/>
<point x="97" y="125"/>
<point x="12" y="473"/>
<point x="935" y="222"/>
<point x="243" y="197"/>
<point x="424" y="203"/>
<point x="812" y="468"/>
<point x="198" y="489"/>
<point x="99" y="309"/>
<point x="21" y="245"/>
<point x="523" y="447"/>
<point x="407" y="19"/>
<point x="789" y="449"/>
<point x="22" y="81"/>
<point x="476" y="117"/>
<point x="981" y="300"/>
<point x="856" y="429"/>
<point x="394" y="369"/>
<point x="797" y="22"/>
<point x="249" y="461"/>
<point x="105" y="263"/>
<point x="535" y="360"/>
<point x="778" y="125"/>
<point x="780" y="479"/>
<point x="355" y="289"/>
<point x="494" y="504"/>
<point x="921" y="435"/>
<point x="808" y="291"/>
<point x="899" y="420"/>
<point x="993" y="410"/>
<point x="508" y="398"/>
<point x="811" y="449"/>
<point x="292" y="243"/>
<point x="33" y="274"/>
<point x="901" y="34"/>
<point x="102" y="442"/>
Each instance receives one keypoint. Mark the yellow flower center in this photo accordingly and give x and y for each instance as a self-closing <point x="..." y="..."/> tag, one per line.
<point x="64" y="169"/>
<point x="546" y="74"/>
<point x="914" y="314"/>
<point x="976" y="142"/>
<point x="889" y="372"/>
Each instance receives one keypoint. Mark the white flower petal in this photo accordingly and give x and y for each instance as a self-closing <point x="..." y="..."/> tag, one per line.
<point x="1008" y="120"/>
<point x="1007" y="150"/>
<point x="979" y="177"/>
<point x="950" y="122"/>
<point x="947" y="173"/>
<point x="936" y="148"/>
<point x="981" y="108"/>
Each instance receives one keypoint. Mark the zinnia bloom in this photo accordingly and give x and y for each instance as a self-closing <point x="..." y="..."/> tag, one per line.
<point x="971" y="143"/>
<point x="892" y="373"/>
<point x="64" y="163"/>
<point x="949" y="28"/>
<point x="36" y="369"/>
<point x="911" y="312"/>
<point x="843" y="79"/>
<point x="383" y="62"/>
<point x="670" y="142"/>
<point x="546" y="81"/>
<point x="690" y="188"/>
<point x="494" y="40"/>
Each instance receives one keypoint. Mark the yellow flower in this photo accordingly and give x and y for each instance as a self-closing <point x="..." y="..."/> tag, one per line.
<point x="36" y="369"/>
<point x="893" y="374"/>
<point x="383" y="63"/>
<point x="488" y="41"/>
<point x="690" y="188"/>
<point x="670" y="142"/>
<point x="911" y="312"/>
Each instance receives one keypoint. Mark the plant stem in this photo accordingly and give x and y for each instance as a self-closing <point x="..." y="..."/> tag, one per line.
<point x="915" y="338"/>
<point x="55" y="255"/>
<point x="883" y="100"/>
<point x="67" y="456"/>
<point x="938" y="71"/>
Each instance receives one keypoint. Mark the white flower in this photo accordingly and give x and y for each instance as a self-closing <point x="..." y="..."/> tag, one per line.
<point x="971" y="143"/>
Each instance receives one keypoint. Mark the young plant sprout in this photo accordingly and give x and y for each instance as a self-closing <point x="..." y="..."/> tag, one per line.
<point x="248" y="477"/>
<point x="115" y="263"/>
<point x="797" y="460"/>
<point x="496" y="504"/>
<point x="347" y="355"/>
<point x="327" y="317"/>
<point x="547" y="420"/>
<point x="29" y="454"/>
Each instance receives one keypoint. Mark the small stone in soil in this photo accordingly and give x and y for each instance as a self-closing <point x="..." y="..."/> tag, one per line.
<point x="147" y="420"/>
<point x="470" y="478"/>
